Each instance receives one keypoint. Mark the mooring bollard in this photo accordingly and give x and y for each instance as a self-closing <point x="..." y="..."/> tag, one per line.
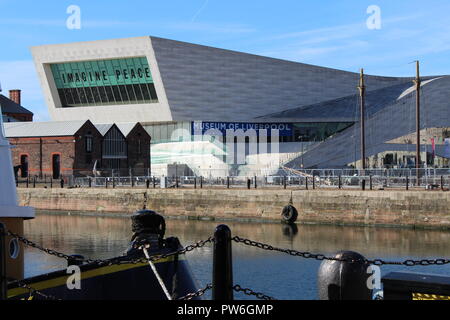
<point x="3" y="279"/>
<point x="344" y="280"/>
<point x="222" y="275"/>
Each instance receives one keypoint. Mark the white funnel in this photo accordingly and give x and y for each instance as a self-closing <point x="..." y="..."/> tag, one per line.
<point x="8" y="193"/>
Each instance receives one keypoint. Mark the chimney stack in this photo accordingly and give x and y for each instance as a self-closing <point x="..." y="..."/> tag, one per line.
<point x="14" y="95"/>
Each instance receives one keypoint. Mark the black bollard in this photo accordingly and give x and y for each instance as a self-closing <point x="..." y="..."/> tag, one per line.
<point x="249" y="182"/>
<point x="201" y="182"/>
<point x="90" y="182"/>
<point x="256" y="185"/>
<point x="442" y="183"/>
<point x="51" y="182"/>
<point x="285" y="182"/>
<point x="28" y="181"/>
<point x="344" y="280"/>
<point x="222" y="277"/>
<point x="314" y="181"/>
<point x="363" y="184"/>
<point x="195" y="182"/>
<point x="61" y="182"/>
<point x="147" y="183"/>
<point x="306" y="183"/>
<point x="407" y="182"/>
<point x="114" y="182"/>
<point x="228" y="182"/>
<point x="340" y="182"/>
<point x="75" y="260"/>
<point x="154" y="182"/>
<point x="370" y="183"/>
<point x="106" y="183"/>
<point x="34" y="182"/>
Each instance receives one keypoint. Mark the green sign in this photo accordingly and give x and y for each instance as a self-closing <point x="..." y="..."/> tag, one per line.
<point x="102" y="73"/>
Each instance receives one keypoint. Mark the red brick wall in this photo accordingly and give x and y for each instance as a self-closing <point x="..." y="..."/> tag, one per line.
<point x="50" y="146"/>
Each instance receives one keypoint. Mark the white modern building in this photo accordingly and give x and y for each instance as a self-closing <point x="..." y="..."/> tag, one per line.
<point x="171" y="86"/>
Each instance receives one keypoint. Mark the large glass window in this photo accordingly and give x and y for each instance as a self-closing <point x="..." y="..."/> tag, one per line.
<point x="105" y="82"/>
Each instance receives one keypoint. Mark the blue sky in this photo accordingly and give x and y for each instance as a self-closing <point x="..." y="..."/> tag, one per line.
<point x="322" y="32"/>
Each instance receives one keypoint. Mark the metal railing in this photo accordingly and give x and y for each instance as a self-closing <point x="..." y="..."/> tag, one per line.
<point x="370" y="179"/>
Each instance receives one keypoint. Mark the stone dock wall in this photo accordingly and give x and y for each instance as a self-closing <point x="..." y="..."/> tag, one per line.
<point x="424" y="209"/>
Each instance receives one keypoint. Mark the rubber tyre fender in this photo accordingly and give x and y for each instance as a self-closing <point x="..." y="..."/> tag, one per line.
<point x="289" y="214"/>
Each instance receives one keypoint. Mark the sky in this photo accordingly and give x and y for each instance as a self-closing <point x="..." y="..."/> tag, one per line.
<point x="336" y="34"/>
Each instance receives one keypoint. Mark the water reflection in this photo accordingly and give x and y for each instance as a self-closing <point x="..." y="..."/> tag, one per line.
<point x="273" y="273"/>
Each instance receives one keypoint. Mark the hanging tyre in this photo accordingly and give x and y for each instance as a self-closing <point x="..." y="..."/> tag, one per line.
<point x="289" y="214"/>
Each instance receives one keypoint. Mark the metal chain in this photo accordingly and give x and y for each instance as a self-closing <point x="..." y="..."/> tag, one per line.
<point x="321" y="257"/>
<point x="113" y="261"/>
<point x="47" y="250"/>
<point x="33" y="291"/>
<point x="198" y="293"/>
<point x="250" y="292"/>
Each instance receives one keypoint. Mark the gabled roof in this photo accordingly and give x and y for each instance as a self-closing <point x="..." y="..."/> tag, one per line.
<point x="9" y="106"/>
<point x="124" y="127"/>
<point x="42" y="129"/>
<point x="103" y="128"/>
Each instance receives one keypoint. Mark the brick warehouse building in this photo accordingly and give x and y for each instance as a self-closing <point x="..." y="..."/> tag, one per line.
<point x="12" y="109"/>
<point x="73" y="147"/>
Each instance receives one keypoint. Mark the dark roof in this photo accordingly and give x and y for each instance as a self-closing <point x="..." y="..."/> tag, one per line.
<point x="9" y="106"/>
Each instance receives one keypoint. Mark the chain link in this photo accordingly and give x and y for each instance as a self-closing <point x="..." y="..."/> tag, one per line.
<point x="250" y="292"/>
<point x="321" y="257"/>
<point x="198" y="293"/>
<point x="113" y="261"/>
<point x="32" y="290"/>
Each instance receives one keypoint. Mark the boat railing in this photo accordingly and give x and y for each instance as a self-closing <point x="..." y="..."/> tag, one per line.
<point x="345" y="275"/>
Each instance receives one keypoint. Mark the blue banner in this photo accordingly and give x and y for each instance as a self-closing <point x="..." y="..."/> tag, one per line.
<point x="201" y="127"/>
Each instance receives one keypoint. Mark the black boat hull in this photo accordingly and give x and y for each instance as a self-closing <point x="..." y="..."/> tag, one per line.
<point x="127" y="281"/>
